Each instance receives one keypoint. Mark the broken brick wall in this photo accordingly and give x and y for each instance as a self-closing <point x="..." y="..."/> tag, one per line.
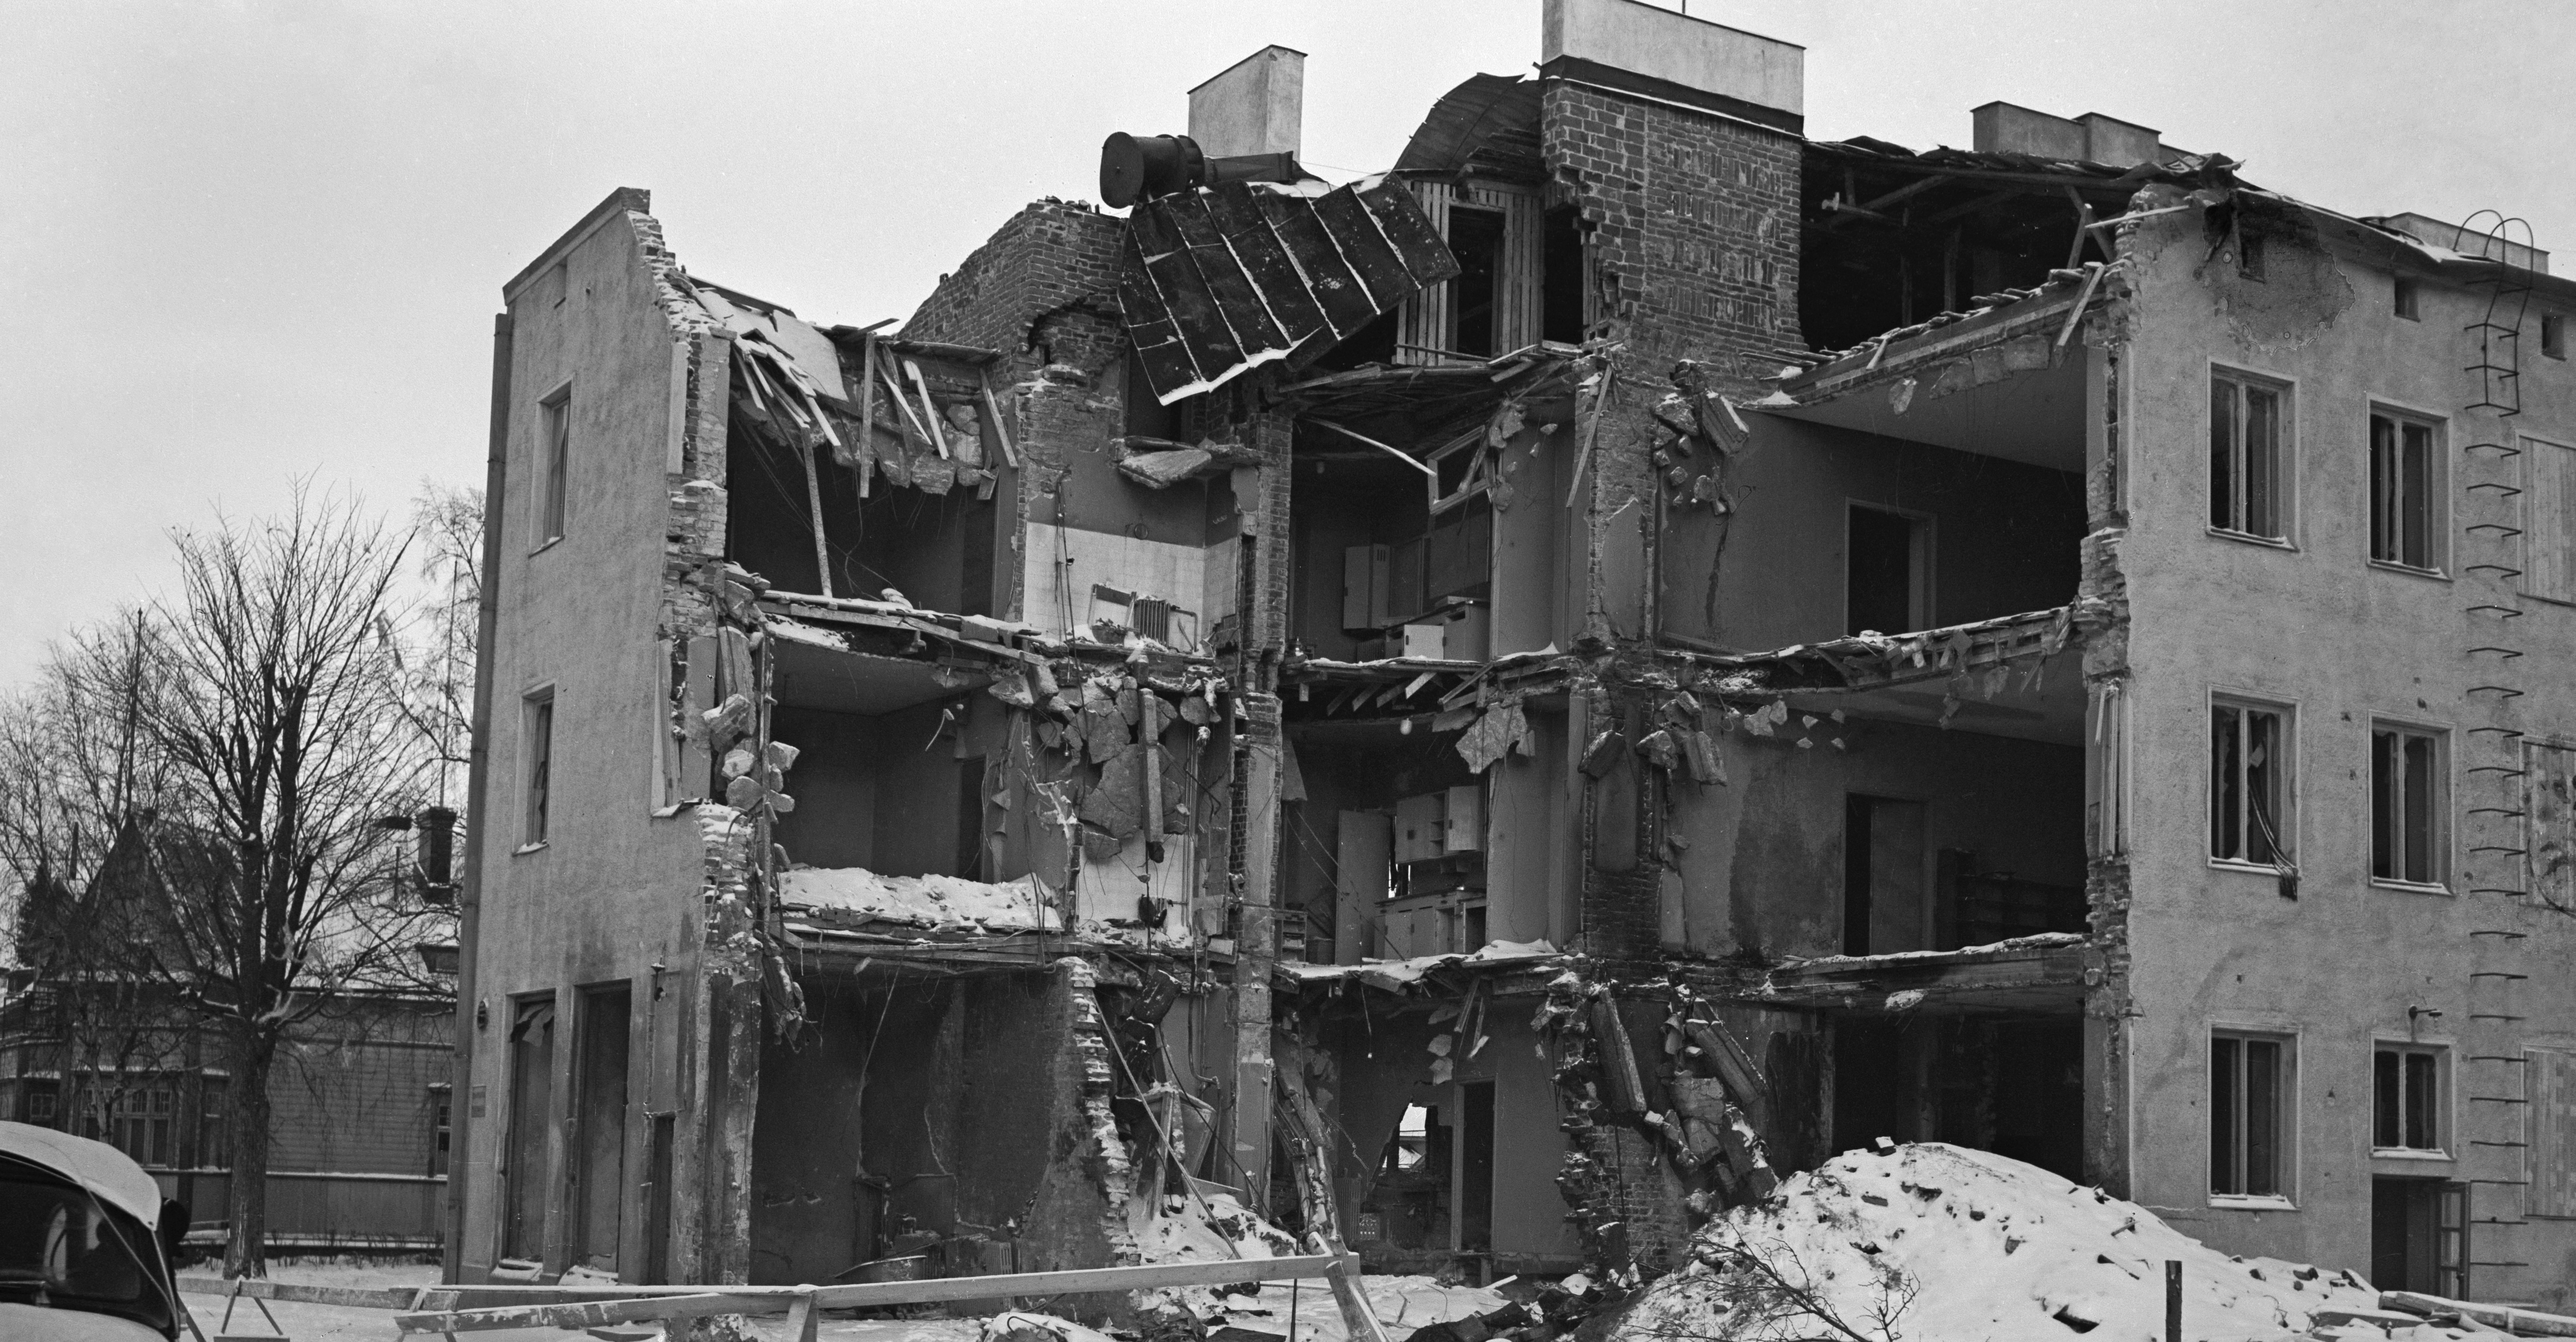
<point x="1043" y="289"/>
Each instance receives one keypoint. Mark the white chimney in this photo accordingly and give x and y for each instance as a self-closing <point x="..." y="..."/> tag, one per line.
<point x="1257" y="106"/>
<point x="1674" y="49"/>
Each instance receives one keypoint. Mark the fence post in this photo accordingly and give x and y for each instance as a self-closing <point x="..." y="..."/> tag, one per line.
<point x="2173" y="1300"/>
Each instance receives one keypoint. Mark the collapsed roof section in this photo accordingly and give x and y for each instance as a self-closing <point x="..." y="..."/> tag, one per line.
<point x="1215" y="282"/>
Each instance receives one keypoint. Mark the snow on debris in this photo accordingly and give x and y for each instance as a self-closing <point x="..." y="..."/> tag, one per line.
<point x="1934" y="1241"/>
<point x="1025" y="904"/>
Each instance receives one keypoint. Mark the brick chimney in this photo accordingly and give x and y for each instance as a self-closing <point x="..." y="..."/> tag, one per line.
<point x="1678" y="140"/>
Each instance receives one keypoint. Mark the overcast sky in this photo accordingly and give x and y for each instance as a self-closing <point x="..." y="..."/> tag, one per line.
<point x="241" y="243"/>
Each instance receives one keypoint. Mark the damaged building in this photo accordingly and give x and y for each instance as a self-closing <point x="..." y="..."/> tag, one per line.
<point x="1490" y="711"/>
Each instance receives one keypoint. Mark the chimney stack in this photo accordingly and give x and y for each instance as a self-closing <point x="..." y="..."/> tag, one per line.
<point x="2004" y="128"/>
<point x="1256" y="106"/>
<point x="1640" y="48"/>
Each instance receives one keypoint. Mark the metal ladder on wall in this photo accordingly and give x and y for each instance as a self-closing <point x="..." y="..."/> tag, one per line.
<point x="2491" y="1069"/>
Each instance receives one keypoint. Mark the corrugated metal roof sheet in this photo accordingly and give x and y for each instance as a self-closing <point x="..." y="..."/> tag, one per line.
<point x="1222" y="280"/>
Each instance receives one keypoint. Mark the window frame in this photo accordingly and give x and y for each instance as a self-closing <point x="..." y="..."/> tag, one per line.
<point x="2437" y="484"/>
<point x="2285" y="790"/>
<point x="2444" y="826"/>
<point x="553" y="473"/>
<point x="2441" y="1112"/>
<point x="536" y="766"/>
<point x="2285" y="1125"/>
<point x="2285" y="455"/>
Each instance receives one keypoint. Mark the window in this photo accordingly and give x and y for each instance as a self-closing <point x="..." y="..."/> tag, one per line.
<point x="555" y="431"/>
<point x="2550" y="1081"/>
<point x="2553" y="336"/>
<point x="540" y="746"/>
<point x="2548" y="520"/>
<point x="2248" y="777"/>
<point x="2247" y="479"/>
<point x="2249" y="256"/>
<point x="2404" y="303"/>
<point x="138" y="1124"/>
<point x="40" y="1106"/>
<point x="2405" y="483"/>
<point x="2248" y="1108"/>
<point x="2406" y="808"/>
<point x="442" y="1112"/>
<point x="2406" y="1104"/>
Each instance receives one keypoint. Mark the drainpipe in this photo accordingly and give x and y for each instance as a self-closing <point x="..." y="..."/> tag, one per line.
<point x="478" y="772"/>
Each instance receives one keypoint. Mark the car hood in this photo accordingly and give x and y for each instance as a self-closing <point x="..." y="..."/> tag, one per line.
<point x="30" y="1323"/>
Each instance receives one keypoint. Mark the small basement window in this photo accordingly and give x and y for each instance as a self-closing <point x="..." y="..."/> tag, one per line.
<point x="2406" y="303"/>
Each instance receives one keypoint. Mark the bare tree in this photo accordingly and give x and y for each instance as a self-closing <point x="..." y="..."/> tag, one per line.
<point x="285" y="729"/>
<point x="447" y="523"/>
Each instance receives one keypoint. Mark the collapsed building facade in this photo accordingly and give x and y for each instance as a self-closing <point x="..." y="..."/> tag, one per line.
<point x="1490" y="711"/>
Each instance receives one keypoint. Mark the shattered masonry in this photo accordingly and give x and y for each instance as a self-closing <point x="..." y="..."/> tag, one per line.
<point x="1492" y="713"/>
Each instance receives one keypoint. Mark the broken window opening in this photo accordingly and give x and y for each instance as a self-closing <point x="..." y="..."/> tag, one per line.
<point x="2406" y="811"/>
<point x="1886" y="571"/>
<point x="2248" y="1091"/>
<point x="2405" y="299"/>
<point x="1476" y="238"/>
<point x="2406" y="1103"/>
<point x="1565" y="313"/>
<point x="2405" y="491"/>
<point x="2553" y="335"/>
<point x="2248" y="478"/>
<point x="2247" y="775"/>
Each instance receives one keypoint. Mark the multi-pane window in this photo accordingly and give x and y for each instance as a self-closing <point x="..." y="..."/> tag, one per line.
<point x="2248" y="1105"/>
<point x="2406" y="1105"/>
<point x="540" y="712"/>
<point x="2404" y="477"/>
<point x="2248" y="481"/>
<point x="138" y="1123"/>
<point x="555" y="445"/>
<point x="2248" y="777"/>
<point x="2406" y="804"/>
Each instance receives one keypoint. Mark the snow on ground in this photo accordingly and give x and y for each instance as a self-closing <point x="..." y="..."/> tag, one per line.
<point x="1225" y="1229"/>
<point x="1934" y="1242"/>
<point x="923" y="901"/>
<point x="322" y="1323"/>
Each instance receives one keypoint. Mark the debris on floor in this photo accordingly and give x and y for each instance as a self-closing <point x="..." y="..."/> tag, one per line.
<point x="1928" y="1240"/>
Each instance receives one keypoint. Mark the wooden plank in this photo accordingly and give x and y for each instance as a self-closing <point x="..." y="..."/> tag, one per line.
<point x="868" y="1295"/>
<point x="253" y="1288"/>
<point x="2529" y="1323"/>
<point x="595" y="1313"/>
<point x="866" y="451"/>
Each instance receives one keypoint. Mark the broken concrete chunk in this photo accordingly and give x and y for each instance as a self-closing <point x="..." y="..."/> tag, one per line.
<point x="1116" y="804"/>
<point x="1104" y="729"/>
<point x="1012" y="687"/>
<point x="1604" y="752"/>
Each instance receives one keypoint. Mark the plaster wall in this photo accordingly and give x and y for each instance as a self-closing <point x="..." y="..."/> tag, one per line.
<point x="2314" y="625"/>
<point x="612" y="890"/>
<point x="1763" y="869"/>
<point x="1770" y="572"/>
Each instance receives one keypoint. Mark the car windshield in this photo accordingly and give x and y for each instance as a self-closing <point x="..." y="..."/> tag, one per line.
<point x="59" y="1247"/>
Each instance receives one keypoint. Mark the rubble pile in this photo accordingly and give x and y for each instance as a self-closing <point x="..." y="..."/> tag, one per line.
<point x="1934" y="1241"/>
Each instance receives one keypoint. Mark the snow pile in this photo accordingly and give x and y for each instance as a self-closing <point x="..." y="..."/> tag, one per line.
<point x="923" y="901"/>
<point x="1211" y="1228"/>
<point x="1933" y="1241"/>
